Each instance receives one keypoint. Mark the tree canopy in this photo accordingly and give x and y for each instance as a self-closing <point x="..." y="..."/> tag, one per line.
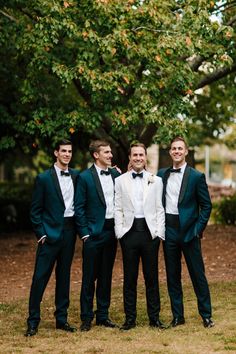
<point x="121" y="70"/>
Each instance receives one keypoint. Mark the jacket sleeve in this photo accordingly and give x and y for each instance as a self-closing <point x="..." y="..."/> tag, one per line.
<point x="205" y="204"/>
<point x="80" y="207"/>
<point x="118" y="209"/>
<point x="37" y="207"/>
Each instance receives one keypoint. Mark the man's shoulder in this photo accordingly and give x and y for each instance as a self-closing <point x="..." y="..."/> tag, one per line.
<point x="123" y="176"/>
<point x="45" y="174"/>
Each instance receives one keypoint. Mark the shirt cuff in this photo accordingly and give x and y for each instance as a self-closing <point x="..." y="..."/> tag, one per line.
<point x="42" y="238"/>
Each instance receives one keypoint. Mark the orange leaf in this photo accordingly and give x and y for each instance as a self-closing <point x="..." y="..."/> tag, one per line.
<point x="66" y="4"/>
<point x="126" y="79"/>
<point x="158" y="58"/>
<point x="188" y="41"/>
<point x="123" y="119"/>
<point x="120" y="89"/>
<point x="113" y="51"/>
<point x="72" y="130"/>
<point x="189" y="92"/>
<point x="168" y="51"/>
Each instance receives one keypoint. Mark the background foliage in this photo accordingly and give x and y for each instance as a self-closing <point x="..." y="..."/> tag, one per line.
<point x="122" y="70"/>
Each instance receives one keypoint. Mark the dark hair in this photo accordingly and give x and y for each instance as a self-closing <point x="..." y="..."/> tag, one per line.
<point x="137" y="144"/>
<point x="179" y="138"/>
<point x="62" y="142"/>
<point x="95" y="146"/>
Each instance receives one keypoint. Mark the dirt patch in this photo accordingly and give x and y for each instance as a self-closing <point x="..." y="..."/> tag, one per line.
<point x="18" y="255"/>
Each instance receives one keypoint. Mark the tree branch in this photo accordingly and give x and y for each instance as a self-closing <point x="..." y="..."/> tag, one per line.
<point x="9" y="16"/>
<point x="217" y="75"/>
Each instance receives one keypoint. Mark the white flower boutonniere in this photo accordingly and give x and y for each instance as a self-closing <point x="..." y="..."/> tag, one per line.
<point x="151" y="179"/>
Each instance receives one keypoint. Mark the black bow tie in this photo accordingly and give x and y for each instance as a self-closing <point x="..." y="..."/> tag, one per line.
<point x="137" y="175"/>
<point x="175" y="170"/>
<point x="103" y="172"/>
<point x="63" y="173"/>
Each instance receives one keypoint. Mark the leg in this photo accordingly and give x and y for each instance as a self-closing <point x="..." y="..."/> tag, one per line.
<point x="149" y="255"/>
<point x="89" y="275"/>
<point x="45" y="260"/>
<point x="104" y="276"/>
<point x="172" y="254"/>
<point x="64" y="261"/>
<point x="193" y="256"/>
<point x="131" y="255"/>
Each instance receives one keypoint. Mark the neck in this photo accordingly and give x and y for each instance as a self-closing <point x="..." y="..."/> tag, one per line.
<point x="178" y="165"/>
<point x="61" y="166"/>
<point x="101" y="165"/>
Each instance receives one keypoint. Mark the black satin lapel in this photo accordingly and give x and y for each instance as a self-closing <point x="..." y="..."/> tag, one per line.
<point x="98" y="184"/>
<point x="165" y="179"/>
<point x="56" y="183"/>
<point x="184" y="183"/>
<point x="73" y="176"/>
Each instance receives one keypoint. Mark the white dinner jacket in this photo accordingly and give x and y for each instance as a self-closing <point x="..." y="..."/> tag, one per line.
<point x="152" y="204"/>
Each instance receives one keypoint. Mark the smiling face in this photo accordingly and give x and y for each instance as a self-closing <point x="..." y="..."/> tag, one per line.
<point x="63" y="156"/>
<point x="178" y="152"/>
<point x="138" y="158"/>
<point x="103" y="157"/>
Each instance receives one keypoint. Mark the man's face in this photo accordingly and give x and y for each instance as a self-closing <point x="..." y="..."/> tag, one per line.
<point x="63" y="155"/>
<point x="178" y="152"/>
<point x="138" y="158"/>
<point x="103" y="157"/>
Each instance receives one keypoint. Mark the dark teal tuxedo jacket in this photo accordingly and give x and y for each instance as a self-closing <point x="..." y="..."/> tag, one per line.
<point x="47" y="208"/>
<point x="194" y="202"/>
<point x="90" y="205"/>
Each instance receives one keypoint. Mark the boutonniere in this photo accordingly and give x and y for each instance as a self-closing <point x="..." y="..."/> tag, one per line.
<point x="151" y="179"/>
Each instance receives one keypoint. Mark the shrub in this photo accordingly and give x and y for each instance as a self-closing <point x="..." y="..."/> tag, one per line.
<point x="224" y="211"/>
<point x="15" y="199"/>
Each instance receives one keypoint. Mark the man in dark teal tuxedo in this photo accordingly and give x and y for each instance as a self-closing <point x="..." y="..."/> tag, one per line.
<point x="52" y="217"/>
<point x="94" y="212"/>
<point x="188" y="206"/>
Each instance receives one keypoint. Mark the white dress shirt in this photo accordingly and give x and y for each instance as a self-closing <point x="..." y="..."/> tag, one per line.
<point x="67" y="190"/>
<point x="173" y="189"/>
<point x="138" y="185"/>
<point x="108" y="191"/>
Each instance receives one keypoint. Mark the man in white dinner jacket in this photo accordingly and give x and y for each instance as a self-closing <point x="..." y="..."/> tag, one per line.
<point x="139" y="225"/>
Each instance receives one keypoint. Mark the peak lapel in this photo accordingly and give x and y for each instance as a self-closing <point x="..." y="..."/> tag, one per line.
<point x="98" y="184"/>
<point x="184" y="183"/>
<point x="57" y="184"/>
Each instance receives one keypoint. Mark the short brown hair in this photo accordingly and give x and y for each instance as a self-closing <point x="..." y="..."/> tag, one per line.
<point x="137" y="144"/>
<point x="95" y="146"/>
<point x="179" y="138"/>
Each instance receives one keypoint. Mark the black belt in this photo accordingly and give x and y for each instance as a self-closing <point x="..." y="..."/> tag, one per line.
<point x="172" y="220"/>
<point x="139" y="224"/>
<point x="69" y="221"/>
<point x="109" y="224"/>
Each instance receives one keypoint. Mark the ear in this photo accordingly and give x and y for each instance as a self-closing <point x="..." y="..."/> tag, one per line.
<point x="186" y="153"/>
<point x="55" y="153"/>
<point x="96" y="155"/>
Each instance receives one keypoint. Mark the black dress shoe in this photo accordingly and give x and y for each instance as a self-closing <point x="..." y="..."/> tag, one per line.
<point x="31" y="331"/>
<point x="177" y="322"/>
<point x="85" y="326"/>
<point x="106" y="323"/>
<point x="208" y="323"/>
<point x="66" y="327"/>
<point x="128" y="325"/>
<point x="157" y="324"/>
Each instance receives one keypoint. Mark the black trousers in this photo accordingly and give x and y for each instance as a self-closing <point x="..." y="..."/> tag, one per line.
<point x="98" y="259"/>
<point x="48" y="254"/>
<point x="174" y="247"/>
<point x="138" y="244"/>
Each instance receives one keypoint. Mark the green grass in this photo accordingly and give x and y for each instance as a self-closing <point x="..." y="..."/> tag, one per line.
<point x="192" y="338"/>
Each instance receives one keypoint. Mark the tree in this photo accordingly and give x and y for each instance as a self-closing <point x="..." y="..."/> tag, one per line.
<point x="121" y="70"/>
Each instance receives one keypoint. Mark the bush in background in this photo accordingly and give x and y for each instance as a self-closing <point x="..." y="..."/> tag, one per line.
<point x="224" y="211"/>
<point x="15" y="200"/>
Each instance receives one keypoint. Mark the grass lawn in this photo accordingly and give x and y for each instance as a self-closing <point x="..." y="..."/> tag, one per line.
<point x="191" y="338"/>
